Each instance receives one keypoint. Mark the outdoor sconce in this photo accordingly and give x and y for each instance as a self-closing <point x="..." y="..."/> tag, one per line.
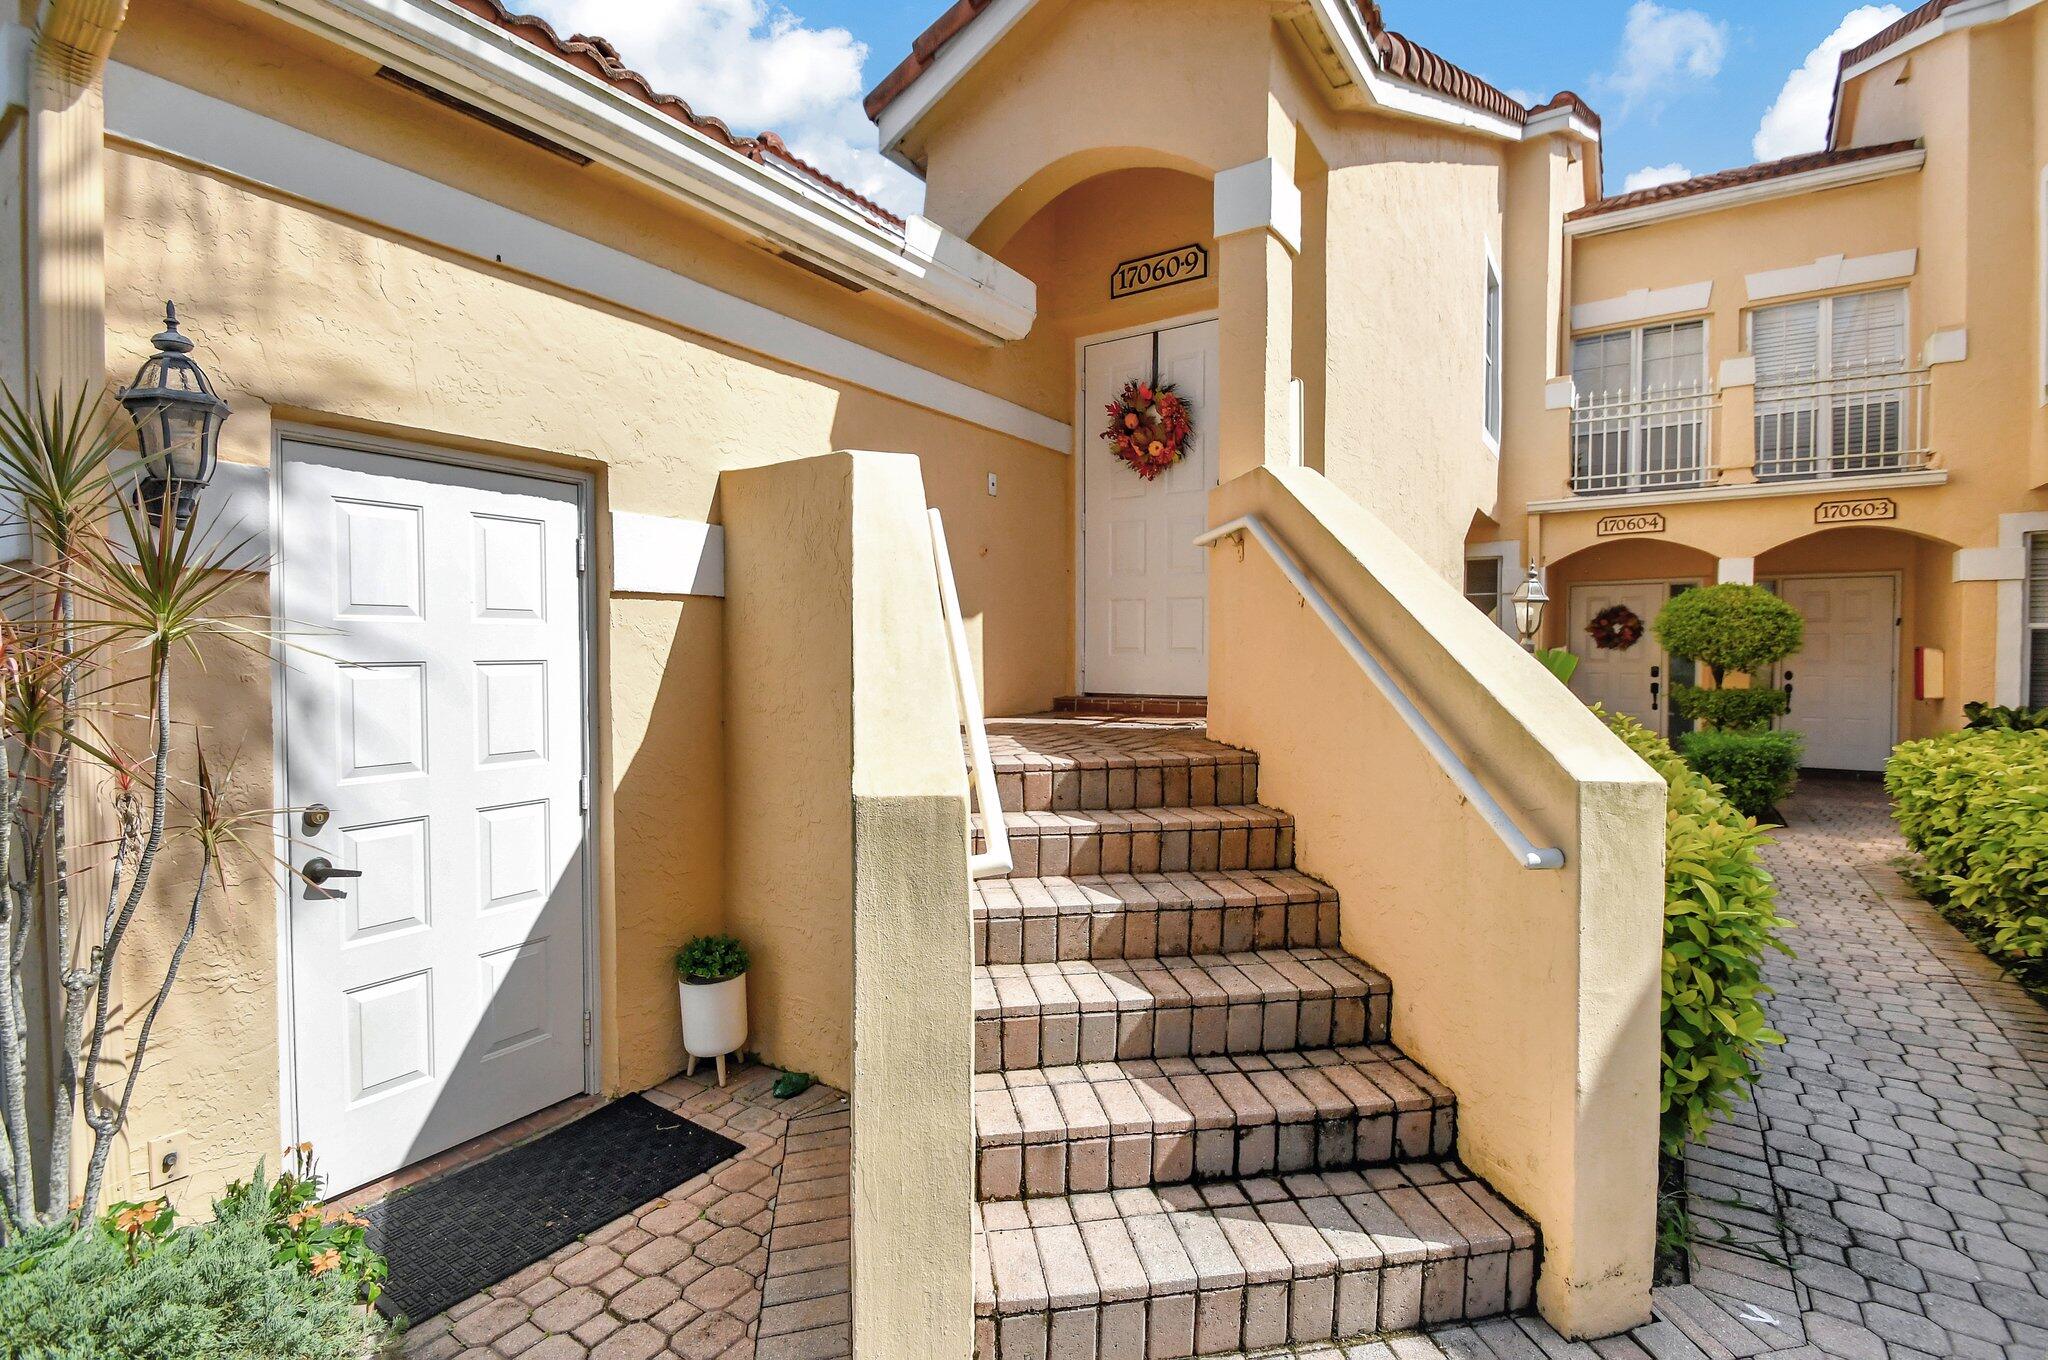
<point x="178" y="418"/>
<point x="1530" y="601"/>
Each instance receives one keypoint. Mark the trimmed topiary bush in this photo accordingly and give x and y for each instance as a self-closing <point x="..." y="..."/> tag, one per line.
<point x="1755" y="770"/>
<point x="1736" y="710"/>
<point x="131" y="1287"/>
<point x="1730" y="628"/>
<point x="1720" y="918"/>
<point x="1974" y="805"/>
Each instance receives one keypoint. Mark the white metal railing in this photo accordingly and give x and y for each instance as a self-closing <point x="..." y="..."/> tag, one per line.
<point x="1526" y="852"/>
<point x="1661" y="441"/>
<point x="1850" y="425"/>
<point x="995" y="861"/>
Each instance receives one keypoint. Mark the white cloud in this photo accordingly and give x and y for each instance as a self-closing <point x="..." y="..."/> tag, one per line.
<point x="1798" y="121"/>
<point x="1650" y="176"/>
<point x="756" y="65"/>
<point x="1662" y="52"/>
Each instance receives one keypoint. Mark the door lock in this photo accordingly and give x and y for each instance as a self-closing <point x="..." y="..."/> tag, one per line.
<point x="319" y="869"/>
<point x="315" y="817"/>
<point x="1656" y="686"/>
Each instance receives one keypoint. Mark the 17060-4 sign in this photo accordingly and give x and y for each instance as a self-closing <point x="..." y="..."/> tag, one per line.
<point x="1182" y="264"/>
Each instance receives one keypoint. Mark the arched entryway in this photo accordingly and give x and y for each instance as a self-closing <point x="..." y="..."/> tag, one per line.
<point x="1638" y="576"/>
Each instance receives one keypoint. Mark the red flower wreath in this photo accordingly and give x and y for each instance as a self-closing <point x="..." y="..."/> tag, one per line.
<point x="1616" y="628"/>
<point x="1149" y="427"/>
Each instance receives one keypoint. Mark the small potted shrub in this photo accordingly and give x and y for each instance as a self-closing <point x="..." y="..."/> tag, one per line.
<point x="711" y="978"/>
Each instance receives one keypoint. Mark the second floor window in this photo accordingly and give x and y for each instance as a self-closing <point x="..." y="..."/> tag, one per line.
<point x="1493" y="320"/>
<point x="2037" y="621"/>
<point x="1833" y="397"/>
<point x="1641" y="419"/>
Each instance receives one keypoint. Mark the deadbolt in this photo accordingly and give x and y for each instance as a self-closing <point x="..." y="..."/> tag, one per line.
<point x="314" y="817"/>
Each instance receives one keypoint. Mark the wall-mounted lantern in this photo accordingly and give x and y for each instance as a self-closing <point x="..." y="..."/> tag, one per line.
<point x="178" y="417"/>
<point x="1530" y="600"/>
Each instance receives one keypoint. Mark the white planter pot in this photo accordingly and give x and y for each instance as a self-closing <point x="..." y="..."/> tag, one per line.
<point x="714" y="1019"/>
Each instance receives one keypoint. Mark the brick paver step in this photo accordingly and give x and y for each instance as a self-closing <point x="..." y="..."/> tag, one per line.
<point x="1066" y="763"/>
<point x="1147" y="840"/>
<point x="1101" y="1126"/>
<point x="1185" y="1270"/>
<point x="1142" y="916"/>
<point x="1102" y="1010"/>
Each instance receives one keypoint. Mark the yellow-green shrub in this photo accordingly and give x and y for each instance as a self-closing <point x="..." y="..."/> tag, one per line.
<point x="1720" y="916"/>
<point x="1975" y="807"/>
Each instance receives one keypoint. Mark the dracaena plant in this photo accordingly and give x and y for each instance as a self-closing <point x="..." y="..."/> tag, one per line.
<point x="95" y="783"/>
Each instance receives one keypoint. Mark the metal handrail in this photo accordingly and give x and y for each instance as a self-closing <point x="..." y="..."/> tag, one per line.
<point x="1526" y="852"/>
<point x="995" y="861"/>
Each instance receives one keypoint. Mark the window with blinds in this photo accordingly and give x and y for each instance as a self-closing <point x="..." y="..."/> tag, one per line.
<point x="2037" y="621"/>
<point x="1641" y="418"/>
<point x="1493" y="330"/>
<point x="1832" y="394"/>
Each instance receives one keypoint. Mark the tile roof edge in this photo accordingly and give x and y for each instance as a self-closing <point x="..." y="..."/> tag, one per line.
<point x="597" y="57"/>
<point x="1763" y="172"/>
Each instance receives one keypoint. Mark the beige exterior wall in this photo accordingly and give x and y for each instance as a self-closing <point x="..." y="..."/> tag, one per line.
<point x="311" y="317"/>
<point x="1973" y="215"/>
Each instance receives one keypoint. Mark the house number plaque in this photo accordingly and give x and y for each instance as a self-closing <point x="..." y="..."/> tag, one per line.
<point x="1182" y="264"/>
<point x="1856" y="512"/>
<point x="1614" y="525"/>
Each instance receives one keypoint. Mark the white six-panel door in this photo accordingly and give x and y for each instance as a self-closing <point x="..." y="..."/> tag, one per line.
<point x="433" y="702"/>
<point x="1622" y="681"/>
<point x="1844" y="690"/>
<point x="1145" y="586"/>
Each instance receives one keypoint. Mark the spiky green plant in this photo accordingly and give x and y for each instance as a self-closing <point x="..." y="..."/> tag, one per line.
<point x="90" y="626"/>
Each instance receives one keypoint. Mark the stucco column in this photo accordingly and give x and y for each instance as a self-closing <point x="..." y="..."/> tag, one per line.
<point x="1258" y="232"/>
<point x="1734" y="449"/>
<point x="66" y="345"/>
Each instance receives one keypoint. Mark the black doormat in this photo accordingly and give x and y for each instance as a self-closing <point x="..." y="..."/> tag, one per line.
<point x="461" y="1234"/>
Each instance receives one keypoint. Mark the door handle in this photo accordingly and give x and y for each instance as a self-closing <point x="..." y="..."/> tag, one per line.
<point x="319" y="869"/>
<point x="1656" y="686"/>
<point x="1788" y="691"/>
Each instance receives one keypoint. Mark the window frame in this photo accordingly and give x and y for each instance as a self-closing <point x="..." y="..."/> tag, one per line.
<point x="1493" y="344"/>
<point x="1825" y="431"/>
<point x="1635" y="394"/>
<point x="2033" y="631"/>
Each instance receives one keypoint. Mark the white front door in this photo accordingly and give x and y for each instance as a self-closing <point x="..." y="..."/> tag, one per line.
<point x="1145" y="585"/>
<point x="433" y="706"/>
<point x="1844" y="696"/>
<point x="1634" y="680"/>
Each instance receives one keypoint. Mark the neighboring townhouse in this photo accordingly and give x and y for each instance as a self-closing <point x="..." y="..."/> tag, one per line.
<point x="544" y="385"/>
<point x="1825" y="375"/>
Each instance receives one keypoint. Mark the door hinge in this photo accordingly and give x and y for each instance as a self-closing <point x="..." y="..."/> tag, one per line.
<point x="586" y="1029"/>
<point x="582" y="554"/>
<point x="583" y="795"/>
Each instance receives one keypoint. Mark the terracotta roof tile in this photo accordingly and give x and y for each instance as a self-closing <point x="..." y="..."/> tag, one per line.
<point x="1730" y="179"/>
<point x="595" y="56"/>
<point x="1402" y="57"/>
<point x="1885" y="37"/>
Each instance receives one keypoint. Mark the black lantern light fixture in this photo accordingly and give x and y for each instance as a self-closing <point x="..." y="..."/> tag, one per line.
<point x="1530" y="600"/>
<point x="178" y="417"/>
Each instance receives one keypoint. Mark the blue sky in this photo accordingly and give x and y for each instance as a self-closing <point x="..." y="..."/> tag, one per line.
<point x="1683" y="85"/>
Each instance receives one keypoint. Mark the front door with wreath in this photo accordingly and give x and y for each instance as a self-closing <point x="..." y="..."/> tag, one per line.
<point x="1147" y="449"/>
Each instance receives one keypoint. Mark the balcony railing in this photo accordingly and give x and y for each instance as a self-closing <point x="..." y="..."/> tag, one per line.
<point x="1659" y="442"/>
<point x="1850" y="426"/>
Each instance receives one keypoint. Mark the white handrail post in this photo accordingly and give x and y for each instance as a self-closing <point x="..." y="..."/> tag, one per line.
<point x="1526" y="852"/>
<point x="995" y="861"/>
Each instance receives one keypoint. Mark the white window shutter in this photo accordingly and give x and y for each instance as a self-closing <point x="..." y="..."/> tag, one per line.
<point x="1785" y="342"/>
<point x="1869" y="333"/>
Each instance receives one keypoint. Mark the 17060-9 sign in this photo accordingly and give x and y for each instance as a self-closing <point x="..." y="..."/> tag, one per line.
<point x="1182" y="264"/>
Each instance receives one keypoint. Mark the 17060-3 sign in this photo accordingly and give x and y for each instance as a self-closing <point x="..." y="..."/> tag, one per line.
<point x="1182" y="264"/>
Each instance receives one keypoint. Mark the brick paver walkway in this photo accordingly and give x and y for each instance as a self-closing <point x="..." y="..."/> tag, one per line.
<point x="746" y="1262"/>
<point x="1886" y="1196"/>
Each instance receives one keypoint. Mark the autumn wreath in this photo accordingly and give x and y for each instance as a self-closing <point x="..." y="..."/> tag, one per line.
<point x="1149" y="427"/>
<point x="1616" y="628"/>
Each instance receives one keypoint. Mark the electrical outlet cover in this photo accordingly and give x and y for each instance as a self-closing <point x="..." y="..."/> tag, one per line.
<point x="169" y="1146"/>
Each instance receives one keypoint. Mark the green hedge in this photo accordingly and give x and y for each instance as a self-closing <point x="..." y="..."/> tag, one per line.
<point x="132" y="1287"/>
<point x="1755" y="770"/>
<point x="1720" y="916"/>
<point x="1974" y="805"/>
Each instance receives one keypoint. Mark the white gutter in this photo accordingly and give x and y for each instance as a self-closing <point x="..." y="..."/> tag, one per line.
<point x="450" y="49"/>
<point x="1741" y="195"/>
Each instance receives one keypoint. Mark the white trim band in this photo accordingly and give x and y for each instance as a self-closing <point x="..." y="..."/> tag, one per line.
<point x="1830" y="272"/>
<point x="152" y="112"/>
<point x="656" y="555"/>
<point x="1642" y="304"/>
<point x="1259" y="196"/>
